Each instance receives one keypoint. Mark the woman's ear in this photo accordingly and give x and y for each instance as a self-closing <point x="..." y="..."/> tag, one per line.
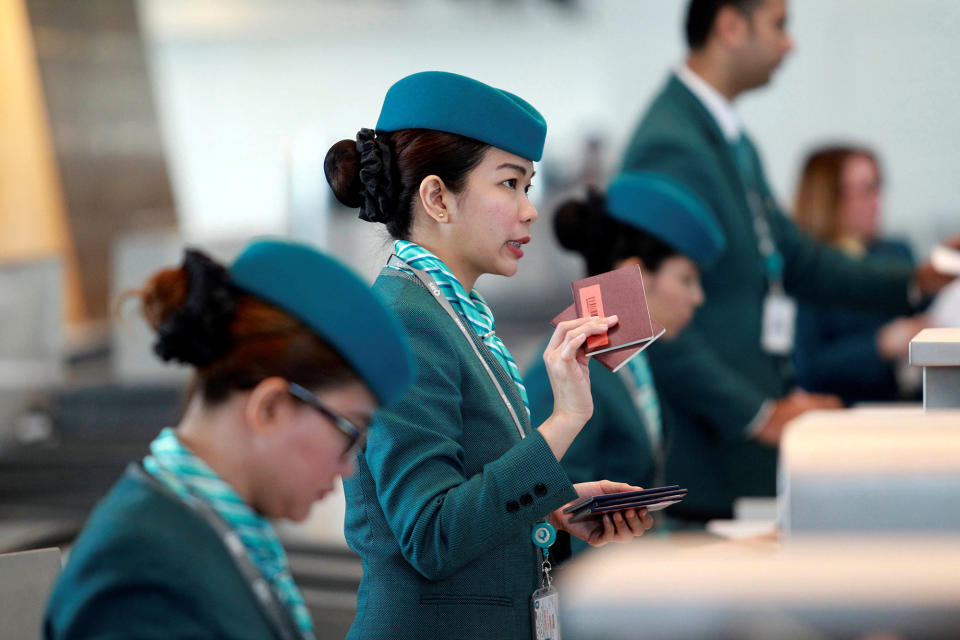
<point x="436" y="199"/>
<point x="268" y="406"/>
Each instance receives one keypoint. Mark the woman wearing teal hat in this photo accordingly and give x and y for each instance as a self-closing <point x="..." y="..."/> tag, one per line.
<point x="284" y="387"/>
<point x="454" y="481"/>
<point x="648" y="220"/>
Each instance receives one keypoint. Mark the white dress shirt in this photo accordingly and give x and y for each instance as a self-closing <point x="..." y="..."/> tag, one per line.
<point x="717" y="105"/>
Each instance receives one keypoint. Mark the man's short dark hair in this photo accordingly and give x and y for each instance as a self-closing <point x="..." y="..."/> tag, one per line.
<point x="701" y="15"/>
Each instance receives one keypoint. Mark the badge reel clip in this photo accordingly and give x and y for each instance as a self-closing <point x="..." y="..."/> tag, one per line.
<point x="544" y="603"/>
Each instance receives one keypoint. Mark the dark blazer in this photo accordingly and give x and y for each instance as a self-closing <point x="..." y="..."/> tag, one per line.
<point x="714" y="377"/>
<point x="145" y="566"/>
<point x="836" y="349"/>
<point x="444" y="498"/>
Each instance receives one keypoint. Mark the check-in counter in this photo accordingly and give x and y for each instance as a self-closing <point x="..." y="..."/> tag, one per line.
<point x="870" y="472"/>
<point x="938" y="352"/>
<point x="868" y="546"/>
<point x="700" y="587"/>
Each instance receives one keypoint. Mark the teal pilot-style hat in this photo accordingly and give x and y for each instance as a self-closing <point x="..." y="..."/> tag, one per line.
<point x="670" y="212"/>
<point x="457" y="104"/>
<point x="336" y="304"/>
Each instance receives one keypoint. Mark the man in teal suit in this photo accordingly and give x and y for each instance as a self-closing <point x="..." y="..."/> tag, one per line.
<point x="725" y="382"/>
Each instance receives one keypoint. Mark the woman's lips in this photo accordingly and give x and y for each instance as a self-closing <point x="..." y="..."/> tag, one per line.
<point x="515" y="248"/>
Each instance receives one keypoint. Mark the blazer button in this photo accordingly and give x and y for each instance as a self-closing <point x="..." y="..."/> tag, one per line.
<point x="540" y="489"/>
<point x="526" y="499"/>
<point x="513" y="506"/>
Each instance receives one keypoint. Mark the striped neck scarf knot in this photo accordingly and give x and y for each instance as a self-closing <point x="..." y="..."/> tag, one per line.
<point x="187" y="475"/>
<point x="471" y="306"/>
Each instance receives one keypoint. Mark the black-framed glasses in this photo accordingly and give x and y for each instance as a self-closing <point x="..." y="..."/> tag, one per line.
<point x="356" y="437"/>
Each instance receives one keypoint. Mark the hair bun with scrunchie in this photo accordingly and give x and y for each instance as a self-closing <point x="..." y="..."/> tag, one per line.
<point x="376" y="176"/>
<point x="197" y="332"/>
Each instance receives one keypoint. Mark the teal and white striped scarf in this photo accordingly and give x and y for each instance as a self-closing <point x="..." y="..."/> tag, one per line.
<point x="184" y="473"/>
<point x="645" y="395"/>
<point x="471" y="306"/>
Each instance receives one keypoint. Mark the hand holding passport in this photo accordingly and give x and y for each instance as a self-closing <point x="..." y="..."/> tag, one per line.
<point x="619" y="292"/>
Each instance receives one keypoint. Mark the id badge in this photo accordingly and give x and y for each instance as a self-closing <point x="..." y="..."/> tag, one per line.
<point x="545" y="611"/>
<point x="779" y="320"/>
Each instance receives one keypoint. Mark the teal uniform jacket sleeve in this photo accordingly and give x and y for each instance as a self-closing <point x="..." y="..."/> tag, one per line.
<point x="579" y="468"/>
<point x="584" y="460"/>
<point x="833" y="360"/>
<point x="614" y="444"/>
<point x="442" y="515"/>
<point x="719" y="394"/>
<point x="583" y="457"/>
<point x="813" y="271"/>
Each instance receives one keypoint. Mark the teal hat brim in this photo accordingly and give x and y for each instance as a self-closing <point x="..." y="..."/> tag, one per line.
<point x="457" y="104"/>
<point x="336" y="304"/>
<point x="668" y="211"/>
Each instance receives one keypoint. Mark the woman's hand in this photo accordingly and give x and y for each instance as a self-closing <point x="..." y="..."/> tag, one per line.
<point x="620" y="526"/>
<point x="785" y="409"/>
<point x="893" y="338"/>
<point x="567" y="368"/>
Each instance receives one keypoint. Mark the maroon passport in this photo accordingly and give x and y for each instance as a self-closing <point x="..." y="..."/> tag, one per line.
<point x="619" y="292"/>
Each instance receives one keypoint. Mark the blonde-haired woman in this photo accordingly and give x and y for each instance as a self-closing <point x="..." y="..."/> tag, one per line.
<point x="853" y="354"/>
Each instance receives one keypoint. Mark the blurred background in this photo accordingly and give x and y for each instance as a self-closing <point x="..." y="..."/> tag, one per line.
<point x="130" y="128"/>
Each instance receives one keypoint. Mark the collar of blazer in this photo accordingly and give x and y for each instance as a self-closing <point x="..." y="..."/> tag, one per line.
<point x="706" y="128"/>
<point x="398" y="265"/>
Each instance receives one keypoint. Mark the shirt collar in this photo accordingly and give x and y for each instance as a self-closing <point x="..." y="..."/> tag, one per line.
<point x="716" y="104"/>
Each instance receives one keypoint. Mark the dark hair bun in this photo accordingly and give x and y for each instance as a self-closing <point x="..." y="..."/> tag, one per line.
<point x="342" y="170"/>
<point x="376" y="176"/>
<point x="576" y="222"/>
<point x="191" y="309"/>
<point x="361" y="174"/>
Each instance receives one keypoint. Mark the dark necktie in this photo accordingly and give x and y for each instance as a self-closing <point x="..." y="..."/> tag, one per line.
<point x="746" y="166"/>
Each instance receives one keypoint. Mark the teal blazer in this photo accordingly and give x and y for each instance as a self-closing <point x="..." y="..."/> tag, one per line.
<point x="443" y="501"/>
<point x="145" y="566"/>
<point x="714" y="377"/>
<point x="614" y="444"/>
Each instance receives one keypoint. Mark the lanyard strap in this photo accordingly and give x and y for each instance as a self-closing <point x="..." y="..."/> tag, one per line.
<point x="766" y="245"/>
<point x="470" y="305"/>
<point x="270" y="604"/>
<point x="399" y="264"/>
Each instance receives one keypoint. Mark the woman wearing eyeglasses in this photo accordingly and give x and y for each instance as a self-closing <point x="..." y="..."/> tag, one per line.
<point x="292" y="354"/>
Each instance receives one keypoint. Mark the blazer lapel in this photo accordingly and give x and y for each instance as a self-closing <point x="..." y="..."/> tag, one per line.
<point x="687" y="103"/>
